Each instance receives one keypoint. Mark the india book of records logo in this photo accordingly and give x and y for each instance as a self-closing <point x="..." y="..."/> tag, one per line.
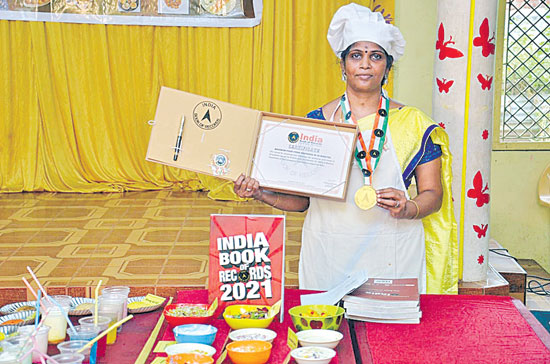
<point x="207" y="115"/>
<point x="293" y="137"/>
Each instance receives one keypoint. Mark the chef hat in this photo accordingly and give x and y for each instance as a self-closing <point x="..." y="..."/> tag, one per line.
<point x="354" y="23"/>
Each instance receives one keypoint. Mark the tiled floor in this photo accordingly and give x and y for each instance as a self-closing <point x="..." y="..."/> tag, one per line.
<point x="153" y="241"/>
<point x="148" y="240"/>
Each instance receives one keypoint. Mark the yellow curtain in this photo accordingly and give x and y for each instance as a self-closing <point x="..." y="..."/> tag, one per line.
<point x="75" y="98"/>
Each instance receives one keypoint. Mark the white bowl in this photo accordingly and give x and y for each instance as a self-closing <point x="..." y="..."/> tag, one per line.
<point x="253" y="334"/>
<point x="313" y="354"/>
<point x="194" y="348"/>
<point x="324" y="338"/>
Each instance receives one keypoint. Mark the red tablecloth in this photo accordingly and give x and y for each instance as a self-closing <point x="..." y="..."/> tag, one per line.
<point x="280" y="349"/>
<point x="457" y="329"/>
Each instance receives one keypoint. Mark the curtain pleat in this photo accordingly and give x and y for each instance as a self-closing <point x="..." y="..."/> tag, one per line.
<point x="75" y="98"/>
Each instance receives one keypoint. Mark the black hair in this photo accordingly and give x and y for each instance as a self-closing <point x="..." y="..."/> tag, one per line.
<point x="389" y="59"/>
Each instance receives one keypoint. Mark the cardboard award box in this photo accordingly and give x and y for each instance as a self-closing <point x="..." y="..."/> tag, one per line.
<point x="217" y="138"/>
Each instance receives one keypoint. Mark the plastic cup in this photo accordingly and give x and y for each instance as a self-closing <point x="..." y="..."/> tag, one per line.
<point x="68" y="347"/>
<point x="41" y="339"/>
<point x="83" y="332"/>
<point x="56" y="319"/>
<point x="16" y="350"/>
<point x="120" y="290"/>
<point x="67" y="358"/>
<point x="111" y="305"/>
<point x="102" y="325"/>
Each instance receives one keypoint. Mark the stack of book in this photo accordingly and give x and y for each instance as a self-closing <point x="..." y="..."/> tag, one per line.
<point x="385" y="300"/>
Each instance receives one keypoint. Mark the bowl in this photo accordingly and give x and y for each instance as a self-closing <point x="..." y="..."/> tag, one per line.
<point x="189" y="358"/>
<point x="192" y="348"/>
<point x="249" y="351"/>
<point x="324" y="338"/>
<point x="253" y="334"/>
<point x="186" y="313"/>
<point x="195" y="333"/>
<point x="246" y="319"/>
<point x="310" y="317"/>
<point x="313" y="355"/>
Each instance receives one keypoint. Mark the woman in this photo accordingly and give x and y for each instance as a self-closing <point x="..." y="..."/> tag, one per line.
<point x="378" y="227"/>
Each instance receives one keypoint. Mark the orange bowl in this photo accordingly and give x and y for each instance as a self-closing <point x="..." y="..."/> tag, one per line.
<point x="189" y="358"/>
<point x="249" y="352"/>
<point x="188" y="314"/>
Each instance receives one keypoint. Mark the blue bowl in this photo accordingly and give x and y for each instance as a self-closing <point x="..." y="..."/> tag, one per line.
<point x="195" y="333"/>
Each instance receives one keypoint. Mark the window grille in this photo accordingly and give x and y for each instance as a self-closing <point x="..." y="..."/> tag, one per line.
<point x="526" y="98"/>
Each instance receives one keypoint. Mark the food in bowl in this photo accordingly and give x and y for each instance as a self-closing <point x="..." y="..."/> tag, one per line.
<point x="313" y="354"/>
<point x="320" y="337"/>
<point x="254" y="314"/>
<point x="310" y="317"/>
<point x="195" y="333"/>
<point x="249" y="352"/>
<point x="186" y="313"/>
<point x="192" y="348"/>
<point x="253" y="334"/>
<point x="189" y="358"/>
<point x="247" y="316"/>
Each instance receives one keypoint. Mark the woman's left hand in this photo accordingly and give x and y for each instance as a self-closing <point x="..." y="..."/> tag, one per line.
<point x="392" y="200"/>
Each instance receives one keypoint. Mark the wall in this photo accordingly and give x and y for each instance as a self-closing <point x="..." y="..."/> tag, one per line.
<point x="517" y="221"/>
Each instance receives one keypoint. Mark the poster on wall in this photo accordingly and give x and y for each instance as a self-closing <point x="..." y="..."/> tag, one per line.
<point x="246" y="262"/>
<point x="197" y="13"/>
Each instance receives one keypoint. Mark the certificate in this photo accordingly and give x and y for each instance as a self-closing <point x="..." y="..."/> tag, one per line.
<point x="303" y="157"/>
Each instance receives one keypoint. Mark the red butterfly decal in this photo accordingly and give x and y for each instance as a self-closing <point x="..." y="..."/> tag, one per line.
<point x="485" y="134"/>
<point x="480" y="259"/>
<point x="485" y="81"/>
<point x="478" y="192"/>
<point x="444" y="85"/>
<point x="481" y="231"/>
<point x="483" y="40"/>
<point x="444" y="50"/>
<point x="442" y="124"/>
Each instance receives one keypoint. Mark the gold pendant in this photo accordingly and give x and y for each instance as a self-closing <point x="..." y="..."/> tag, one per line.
<point x="365" y="197"/>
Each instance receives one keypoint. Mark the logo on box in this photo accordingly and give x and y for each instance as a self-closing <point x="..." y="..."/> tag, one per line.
<point x="207" y="115"/>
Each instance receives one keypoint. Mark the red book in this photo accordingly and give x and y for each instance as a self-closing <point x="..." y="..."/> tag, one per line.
<point x="246" y="262"/>
<point x="381" y="292"/>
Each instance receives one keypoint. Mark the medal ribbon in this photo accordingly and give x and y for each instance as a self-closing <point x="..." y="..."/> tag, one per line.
<point x="371" y="155"/>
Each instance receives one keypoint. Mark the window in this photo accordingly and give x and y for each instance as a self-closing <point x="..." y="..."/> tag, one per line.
<point x="526" y="73"/>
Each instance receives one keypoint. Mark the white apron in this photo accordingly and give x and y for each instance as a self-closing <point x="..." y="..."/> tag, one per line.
<point x="339" y="238"/>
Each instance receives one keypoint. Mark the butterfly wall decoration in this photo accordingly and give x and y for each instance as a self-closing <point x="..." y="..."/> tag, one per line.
<point x="445" y="50"/>
<point x="479" y="192"/>
<point x="443" y="85"/>
<point x="483" y="40"/>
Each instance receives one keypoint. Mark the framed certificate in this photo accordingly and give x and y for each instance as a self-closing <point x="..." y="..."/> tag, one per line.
<point x="303" y="156"/>
<point x="285" y="153"/>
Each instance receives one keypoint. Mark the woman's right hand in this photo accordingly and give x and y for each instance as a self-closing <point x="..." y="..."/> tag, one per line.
<point x="247" y="187"/>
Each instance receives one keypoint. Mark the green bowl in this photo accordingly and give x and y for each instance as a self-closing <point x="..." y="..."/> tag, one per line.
<point x="310" y="317"/>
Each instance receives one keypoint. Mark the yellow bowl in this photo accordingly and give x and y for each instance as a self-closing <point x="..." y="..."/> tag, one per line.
<point x="245" y="323"/>
<point x="249" y="352"/>
<point x="316" y="317"/>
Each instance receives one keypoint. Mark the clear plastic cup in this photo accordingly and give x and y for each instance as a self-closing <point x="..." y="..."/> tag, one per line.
<point x="73" y="346"/>
<point x="83" y="332"/>
<point x="16" y="350"/>
<point x="56" y="318"/>
<point x="120" y="290"/>
<point x="67" y="358"/>
<point x="111" y="305"/>
<point x="41" y="339"/>
<point x="102" y="324"/>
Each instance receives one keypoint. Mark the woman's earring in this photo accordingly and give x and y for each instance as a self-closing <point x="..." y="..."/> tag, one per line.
<point x="344" y="78"/>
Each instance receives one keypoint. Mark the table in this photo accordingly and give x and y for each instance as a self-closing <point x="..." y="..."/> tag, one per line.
<point x="458" y="329"/>
<point x="453" y="329"/>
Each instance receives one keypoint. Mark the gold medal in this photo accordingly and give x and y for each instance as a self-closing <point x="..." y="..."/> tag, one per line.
<point x="365" y="197"/>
